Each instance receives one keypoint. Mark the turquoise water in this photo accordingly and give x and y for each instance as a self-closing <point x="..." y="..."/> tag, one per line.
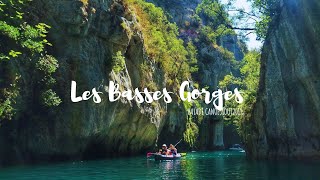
<point x="204" y="165"/>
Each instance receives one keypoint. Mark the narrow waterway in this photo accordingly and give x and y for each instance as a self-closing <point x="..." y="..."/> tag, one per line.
<point x="202" y="165"/>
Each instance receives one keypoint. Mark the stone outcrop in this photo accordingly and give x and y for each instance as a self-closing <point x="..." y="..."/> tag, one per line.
<point x="212" y="65"/>
<point x="179" y="11"/>
<point x="85" y="36"/>
<point x="286" y="119"/>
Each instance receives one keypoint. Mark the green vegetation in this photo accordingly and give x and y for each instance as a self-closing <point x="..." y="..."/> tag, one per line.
<point x="118" y="62"/>
<point x="266" y="9"/>
<point x="216" y="20"/>
<point x="7" y="100"/>
<point x="215" y="24"/>
<point x="214" y="13"/>
<point x="23" y="42"/>
<point x="257" y="20"/>
<point x="50" y="98"/>
<point x="192" y="57"/>
<point x="161" y="42"/>
<point x="248" y="83"/>
<point x="46" y="66"/>
<point x="18" y="36"/>
<point x="192" y="131"/>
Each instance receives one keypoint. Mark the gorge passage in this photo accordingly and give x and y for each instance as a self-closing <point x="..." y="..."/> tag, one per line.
<point x="155" y="45"/>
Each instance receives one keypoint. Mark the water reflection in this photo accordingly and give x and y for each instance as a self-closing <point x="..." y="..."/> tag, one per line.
<point x="201" y="166"/>
<point x="210" y="165"/>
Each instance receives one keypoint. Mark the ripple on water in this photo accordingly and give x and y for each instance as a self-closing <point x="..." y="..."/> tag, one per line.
<point x="197" y="165"/>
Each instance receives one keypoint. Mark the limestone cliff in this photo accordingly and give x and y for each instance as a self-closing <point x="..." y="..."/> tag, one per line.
<point x="86" y="35"/>
<point x="286" y="119"/>
<point x="213" y="65"/>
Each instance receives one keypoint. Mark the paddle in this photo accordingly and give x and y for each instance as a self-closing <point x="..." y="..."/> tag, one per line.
<point x="149" y="154"/>
<point x="178" y="142"/>
<point x="182" y="154"/>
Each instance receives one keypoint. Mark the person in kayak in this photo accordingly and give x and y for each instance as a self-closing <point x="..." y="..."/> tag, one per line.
<point x="172" y="150"/>
<point x="164" y="150"/>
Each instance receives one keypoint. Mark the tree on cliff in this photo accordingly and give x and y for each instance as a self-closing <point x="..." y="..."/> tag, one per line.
<point x="23" y="40"/>
<point x="17" y="35"/>
<point x="248" y="83"/>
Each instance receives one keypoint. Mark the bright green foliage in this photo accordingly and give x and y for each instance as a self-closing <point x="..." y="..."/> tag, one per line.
<point x="118" y="62"/>
<point x="256" y="20"/>
<point x="268" y="9"/>
<point x="191" y="134"/>
<point x="24" y="42"/>
<point x="6" y="104"/>
<point x="161" y="42"/>
<point x="208" y="34"/>
<point x="262" y="26"/>
<point x="214" y="13"/>
<point x="192" y="57"/>
<point x="192" y="130"/>
<point x="216" y="19"/>
<point x="50" y="98"/>
<point x="248" y="83"/>
<point x="266" y="6"/>
<point x="215" y="24"/>
<point x="16" y="35"/>
<point x="47" y="64"/>
<point x="230" y="79"/>
<point x="227" y="55"/>
<point x="6" y="110"/>
<point x="187" y="104"/>
<point x="251" y="70"/>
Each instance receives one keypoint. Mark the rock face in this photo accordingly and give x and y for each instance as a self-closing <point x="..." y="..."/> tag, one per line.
<point x="179" y="11"/>
<point x="212" y="65"/>
<point x="286" y="117"/>
<point x="85" y="37"/>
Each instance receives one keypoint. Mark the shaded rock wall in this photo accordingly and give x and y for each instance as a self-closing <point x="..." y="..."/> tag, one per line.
<point x="85" y="37"/>
<point x="212" y="65"/>
<point x="286" y="117"/>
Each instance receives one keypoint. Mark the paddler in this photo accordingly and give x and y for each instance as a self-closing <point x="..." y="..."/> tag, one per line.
<point x="164" y="150"/>
<point x="172" y="149"/>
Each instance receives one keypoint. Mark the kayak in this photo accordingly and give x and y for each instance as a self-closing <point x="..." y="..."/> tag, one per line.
<point x="236" y="147"/>
<point x="166" y="157"/>
<point x="150" y="154"/>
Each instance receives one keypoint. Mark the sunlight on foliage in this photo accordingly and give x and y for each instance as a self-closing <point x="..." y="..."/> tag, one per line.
<point x="248" y="83"/>
<point x="50" y="98"/>
<point x="191" y="133"/>
<point x="18" y="34"/>
<point x="215" y="24"/>
<point x="47" y="64"/>
<point x="118" y="62"/>
<point x="161" y="42"/>
<point x="24" y="43"/>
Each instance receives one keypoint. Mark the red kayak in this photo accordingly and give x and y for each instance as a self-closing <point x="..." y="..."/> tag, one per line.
<point x="158" y="156"/>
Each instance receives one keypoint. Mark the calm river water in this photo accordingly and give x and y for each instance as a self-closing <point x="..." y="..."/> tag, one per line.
<point x="202" y="165"/>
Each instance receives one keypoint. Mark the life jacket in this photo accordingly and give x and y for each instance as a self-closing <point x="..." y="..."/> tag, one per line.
<point x="173" y="152"/>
